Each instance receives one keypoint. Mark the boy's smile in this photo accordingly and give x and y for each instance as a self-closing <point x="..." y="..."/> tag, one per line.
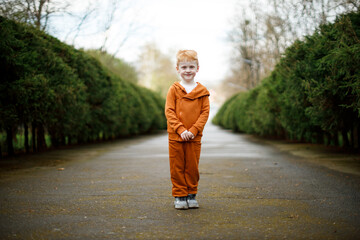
<point x="187" y="70"/>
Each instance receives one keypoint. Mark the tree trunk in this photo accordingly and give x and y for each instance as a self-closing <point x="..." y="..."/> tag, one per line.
<point x="319" y="138"/>
<point x="63" y="140"/>
<point x="355" y="136"/>
<point x="54" y="141"/>
<point x="358" y="137"/>
<point x="33" y="136"/>
<point x="80" y="140"/>
<point x="41" y="138"/>
<point x="336" y="139"/>
<point x="346" y="142"/>
<point x="9" y="140"/>
<point x="26" y="143"/>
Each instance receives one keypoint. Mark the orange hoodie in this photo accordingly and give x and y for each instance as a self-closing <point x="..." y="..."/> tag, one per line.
<point x="186" y="111"/>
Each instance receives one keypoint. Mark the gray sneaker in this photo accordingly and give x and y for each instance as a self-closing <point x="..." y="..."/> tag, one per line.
<point x="191" y="201"/>
<point x="181" y="203"/>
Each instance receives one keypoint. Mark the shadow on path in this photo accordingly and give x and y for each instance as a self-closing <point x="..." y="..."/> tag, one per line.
<point x="122" y="190"/>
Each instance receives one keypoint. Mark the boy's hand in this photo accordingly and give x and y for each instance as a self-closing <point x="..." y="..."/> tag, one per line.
<point x="191" y="135"/>
<point x="186" y="135"/>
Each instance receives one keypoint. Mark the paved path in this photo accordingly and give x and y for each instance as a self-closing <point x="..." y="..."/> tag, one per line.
<point x="122" y="190"/>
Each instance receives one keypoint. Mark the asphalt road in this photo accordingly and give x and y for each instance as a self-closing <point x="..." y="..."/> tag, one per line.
<point x="121" y="190"/>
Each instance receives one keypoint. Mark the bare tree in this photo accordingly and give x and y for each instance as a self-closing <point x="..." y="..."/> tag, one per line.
<point x="112" y="23"/>
<point x="34" y="12"/>
<point x="306" y="15"/>
<point x="116" y="29"/>
<point x="108" y="19"/>
<point x="109" y="22"/>
<point x="82" y="19"/>
<point x="260" y="36"/>
<point x="246" y="59"/>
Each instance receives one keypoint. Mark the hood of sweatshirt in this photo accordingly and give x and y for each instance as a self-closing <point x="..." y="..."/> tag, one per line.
<point x="198" y="92"/>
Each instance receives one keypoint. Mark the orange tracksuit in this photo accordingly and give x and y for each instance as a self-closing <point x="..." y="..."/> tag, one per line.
<point x="185" y="111"/>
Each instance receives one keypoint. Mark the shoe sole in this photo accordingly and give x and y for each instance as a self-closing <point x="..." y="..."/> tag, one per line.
<point x="193" y="207"/>
<point x="181" y="208"/>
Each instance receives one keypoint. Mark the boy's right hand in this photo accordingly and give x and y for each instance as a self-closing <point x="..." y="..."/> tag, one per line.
<point x="186" y="135"/>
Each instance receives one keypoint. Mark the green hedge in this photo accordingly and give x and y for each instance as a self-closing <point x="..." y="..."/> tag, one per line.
<point x="55" y="90"/>
<point x="312" y="95"/>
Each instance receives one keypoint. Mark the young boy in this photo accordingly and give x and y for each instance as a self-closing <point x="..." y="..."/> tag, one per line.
<point x="187" y="110"/>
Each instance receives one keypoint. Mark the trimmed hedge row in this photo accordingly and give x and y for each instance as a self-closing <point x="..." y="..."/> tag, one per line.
<point x="53" y="89"/>
<point x="312" y="95"/>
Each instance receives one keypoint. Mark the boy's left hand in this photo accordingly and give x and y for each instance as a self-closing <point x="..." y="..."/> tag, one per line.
<point x="191" y="135"/>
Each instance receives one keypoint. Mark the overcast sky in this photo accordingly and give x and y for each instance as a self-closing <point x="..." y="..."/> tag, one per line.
<point x="201" y="25"/>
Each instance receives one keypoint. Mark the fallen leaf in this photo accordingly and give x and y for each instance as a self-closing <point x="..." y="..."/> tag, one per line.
<point x="293" y="216"/>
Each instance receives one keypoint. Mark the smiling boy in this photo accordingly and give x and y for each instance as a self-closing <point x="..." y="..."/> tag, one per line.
<point x="187" y="110"/>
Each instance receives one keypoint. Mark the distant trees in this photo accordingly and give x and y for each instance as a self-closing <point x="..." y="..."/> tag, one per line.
<point x="261" y="35"/>
<point x="115" y="65"/>
<point x="312" y="95"/>
<point x="56" y="95"/>
<point x="156" y="70"/>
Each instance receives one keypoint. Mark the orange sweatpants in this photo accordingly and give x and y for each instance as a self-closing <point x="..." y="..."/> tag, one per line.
<point x="184" y="167"/>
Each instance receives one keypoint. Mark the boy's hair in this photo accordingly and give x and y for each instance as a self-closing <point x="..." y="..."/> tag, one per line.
<point x="186" y="56"/>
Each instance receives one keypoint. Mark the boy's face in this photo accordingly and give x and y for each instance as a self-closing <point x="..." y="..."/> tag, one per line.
<point x="187" y="70"/>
